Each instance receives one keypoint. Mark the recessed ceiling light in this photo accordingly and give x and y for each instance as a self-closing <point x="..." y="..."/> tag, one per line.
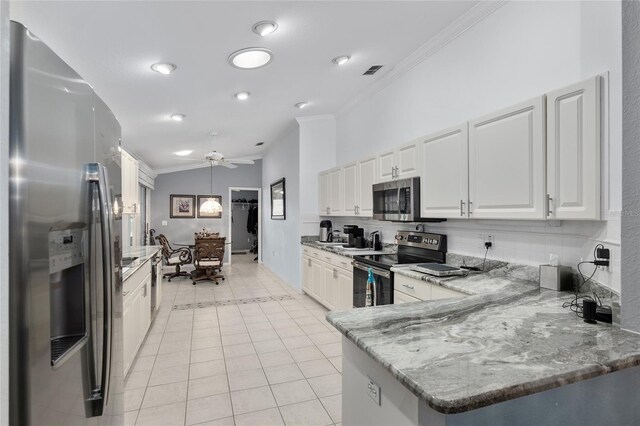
<point x="341" y="60"/>
<point x="177" y="117"/>
<point x="250" y="58"/>
<point x="260" y="144"/>
<point x="164" y="67"/>
<point x="264" y="28"/>
<point x="301" y="105"/>
<point x="183" y="153"/>
<point x="242" y="96"/>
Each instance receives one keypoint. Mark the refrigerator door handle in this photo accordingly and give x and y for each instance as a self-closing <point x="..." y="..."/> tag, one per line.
<point x="97" y="173"/>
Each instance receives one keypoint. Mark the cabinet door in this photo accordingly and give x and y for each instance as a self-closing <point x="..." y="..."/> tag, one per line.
<point x="399" y="298"/>
<point x="335" y="192"/>
<point x="329" y="278"/>
<point x="344" y="289"/>
<point x="316" y="279"/>
<point x="438" y="292"/>
<point x="444" y="183"/>
<point x="386" y="165"/>
<point x="573" y="151"/>
<point x="507" y="163"/>
<point x="323" y="193"/>
<point x="129" y="332"/>
<point x="408" y="160"/>
<point x="306" y="274"/>
<point x="367" y="172"/>
<point x="145" y="308"/>
<point x="350" y="188"/>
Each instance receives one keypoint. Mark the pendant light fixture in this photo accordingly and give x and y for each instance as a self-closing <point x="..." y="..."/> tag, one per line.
<point x="211" y="206"/>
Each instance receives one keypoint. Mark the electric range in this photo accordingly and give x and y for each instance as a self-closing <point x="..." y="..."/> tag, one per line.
<point x="413" y="248"/>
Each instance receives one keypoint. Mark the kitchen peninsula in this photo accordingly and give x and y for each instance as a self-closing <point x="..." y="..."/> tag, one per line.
<point x="507" y="353"/>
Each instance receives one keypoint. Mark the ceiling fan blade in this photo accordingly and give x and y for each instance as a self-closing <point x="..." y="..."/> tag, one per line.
<point x="240" y="161"/>
<point x="191" y="159"/>
<point x="227" y="165"/>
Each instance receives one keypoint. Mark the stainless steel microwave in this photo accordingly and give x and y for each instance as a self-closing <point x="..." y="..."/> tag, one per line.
<point x="398" y="201"/>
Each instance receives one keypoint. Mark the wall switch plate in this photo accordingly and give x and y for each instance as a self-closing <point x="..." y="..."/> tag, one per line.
<point x="164" y="223"/>
<point x="373" y="390"/>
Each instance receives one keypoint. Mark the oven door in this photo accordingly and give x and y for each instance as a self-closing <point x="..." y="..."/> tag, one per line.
<point x="383" y="290"/>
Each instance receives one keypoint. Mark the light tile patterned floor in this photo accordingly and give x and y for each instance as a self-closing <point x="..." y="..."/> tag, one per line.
<point x="271" y="363"/>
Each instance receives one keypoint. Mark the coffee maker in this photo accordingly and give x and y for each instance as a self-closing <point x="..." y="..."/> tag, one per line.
<point x="326" y="231"/>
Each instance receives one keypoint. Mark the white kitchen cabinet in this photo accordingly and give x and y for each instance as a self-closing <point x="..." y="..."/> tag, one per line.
<point x="367" y="171"/>
<point x="136" y="314"/>
<point x="336" y="207"/>
<point x="129" y="183"/>
<point x="573" y="151"/>
<point x="358" y="178"/>
<point x="350" y="188"/>
<point x="438" y="292"/>
<point x="418" y="289"/>
<point x="317" y="280"/>
<point x="507" y="163"/>
<point x="323" y="193"/>
<point x="329" y="286"/>
<point x="444" y="183"/>
<point x="306" y="274"/>
<point x="399" y="298"/>
<point x="328" y="278"/>
<point x="344" y="289"/>
<point x="400" y="162"/>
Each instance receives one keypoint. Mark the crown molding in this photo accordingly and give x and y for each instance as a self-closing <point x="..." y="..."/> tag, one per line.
<point x="472" y="17"/>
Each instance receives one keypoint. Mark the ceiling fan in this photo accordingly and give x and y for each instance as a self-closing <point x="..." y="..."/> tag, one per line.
<point x="215" y="158"/>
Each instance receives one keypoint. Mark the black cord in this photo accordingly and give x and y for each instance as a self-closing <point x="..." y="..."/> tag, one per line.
<point x="574" y="304"/>
<point x="485" y="258"/>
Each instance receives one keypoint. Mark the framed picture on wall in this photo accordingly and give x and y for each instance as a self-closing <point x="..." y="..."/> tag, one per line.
<point x="210" y="206"/>
<point x="278" y="200"/>
<point x="182" y="206"/>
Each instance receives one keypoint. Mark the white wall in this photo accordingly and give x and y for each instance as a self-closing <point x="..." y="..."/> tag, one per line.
<point x="317" y="153"/>
<point x="281" y="238"/>
<point x="522" y="50"/>
<point x="4" y="214"/>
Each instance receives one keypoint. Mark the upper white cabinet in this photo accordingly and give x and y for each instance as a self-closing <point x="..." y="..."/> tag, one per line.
<point x="129" y="183"/>
<point x="366" y="179"/>
<point x="350" y="188"/>
<point x="336" y="206"/>
<point x="358" y="178"/>
<point x="399" y="163"/>
<point x="507" y="163"/>
<point x="323" y="193"/>
<point x="573" y="151"/>
<point x="444" y="182"/>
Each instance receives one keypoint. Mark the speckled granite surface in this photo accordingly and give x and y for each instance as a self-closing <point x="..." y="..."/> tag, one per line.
<point x="143" y="253"/>
<point x="510" y="339"/>
<point x="310" y="241"/>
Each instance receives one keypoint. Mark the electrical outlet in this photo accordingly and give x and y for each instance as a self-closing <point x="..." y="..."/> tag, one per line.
<point x="164" y="223"/>
<point x="373" y="390"/>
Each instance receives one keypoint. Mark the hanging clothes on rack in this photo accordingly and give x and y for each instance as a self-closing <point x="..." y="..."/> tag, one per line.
<point x="252" y="220"/>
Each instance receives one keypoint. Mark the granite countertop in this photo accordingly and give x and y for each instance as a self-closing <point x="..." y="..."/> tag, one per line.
<point x="310" y="241"/>
<point x="507" y="339"/>
<point x="143" y="254"/>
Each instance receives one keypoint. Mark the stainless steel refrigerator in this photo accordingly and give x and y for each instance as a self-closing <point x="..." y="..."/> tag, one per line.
<point x="65" y="251"/>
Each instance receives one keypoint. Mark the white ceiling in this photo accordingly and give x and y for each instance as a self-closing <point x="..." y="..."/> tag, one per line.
<point x="112" y="44"/>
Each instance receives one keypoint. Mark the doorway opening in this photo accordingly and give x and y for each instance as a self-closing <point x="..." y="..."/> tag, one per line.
<point x="245" y="224"/>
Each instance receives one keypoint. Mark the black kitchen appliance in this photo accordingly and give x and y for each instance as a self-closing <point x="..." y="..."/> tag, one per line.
<point x="353" y="232"/>
<point x="326" y="231"/>
<point x="375" y="240"/>
<point x="413" y="248"/>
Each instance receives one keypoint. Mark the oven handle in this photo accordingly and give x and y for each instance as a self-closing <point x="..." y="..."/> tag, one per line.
<point x="377" y="271"/>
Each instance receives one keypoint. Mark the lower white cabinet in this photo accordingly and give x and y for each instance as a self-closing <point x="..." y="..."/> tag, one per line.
<point x="328" y="278"/>
<point x="407" y="289"/>
<point x="136" y="319"/>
